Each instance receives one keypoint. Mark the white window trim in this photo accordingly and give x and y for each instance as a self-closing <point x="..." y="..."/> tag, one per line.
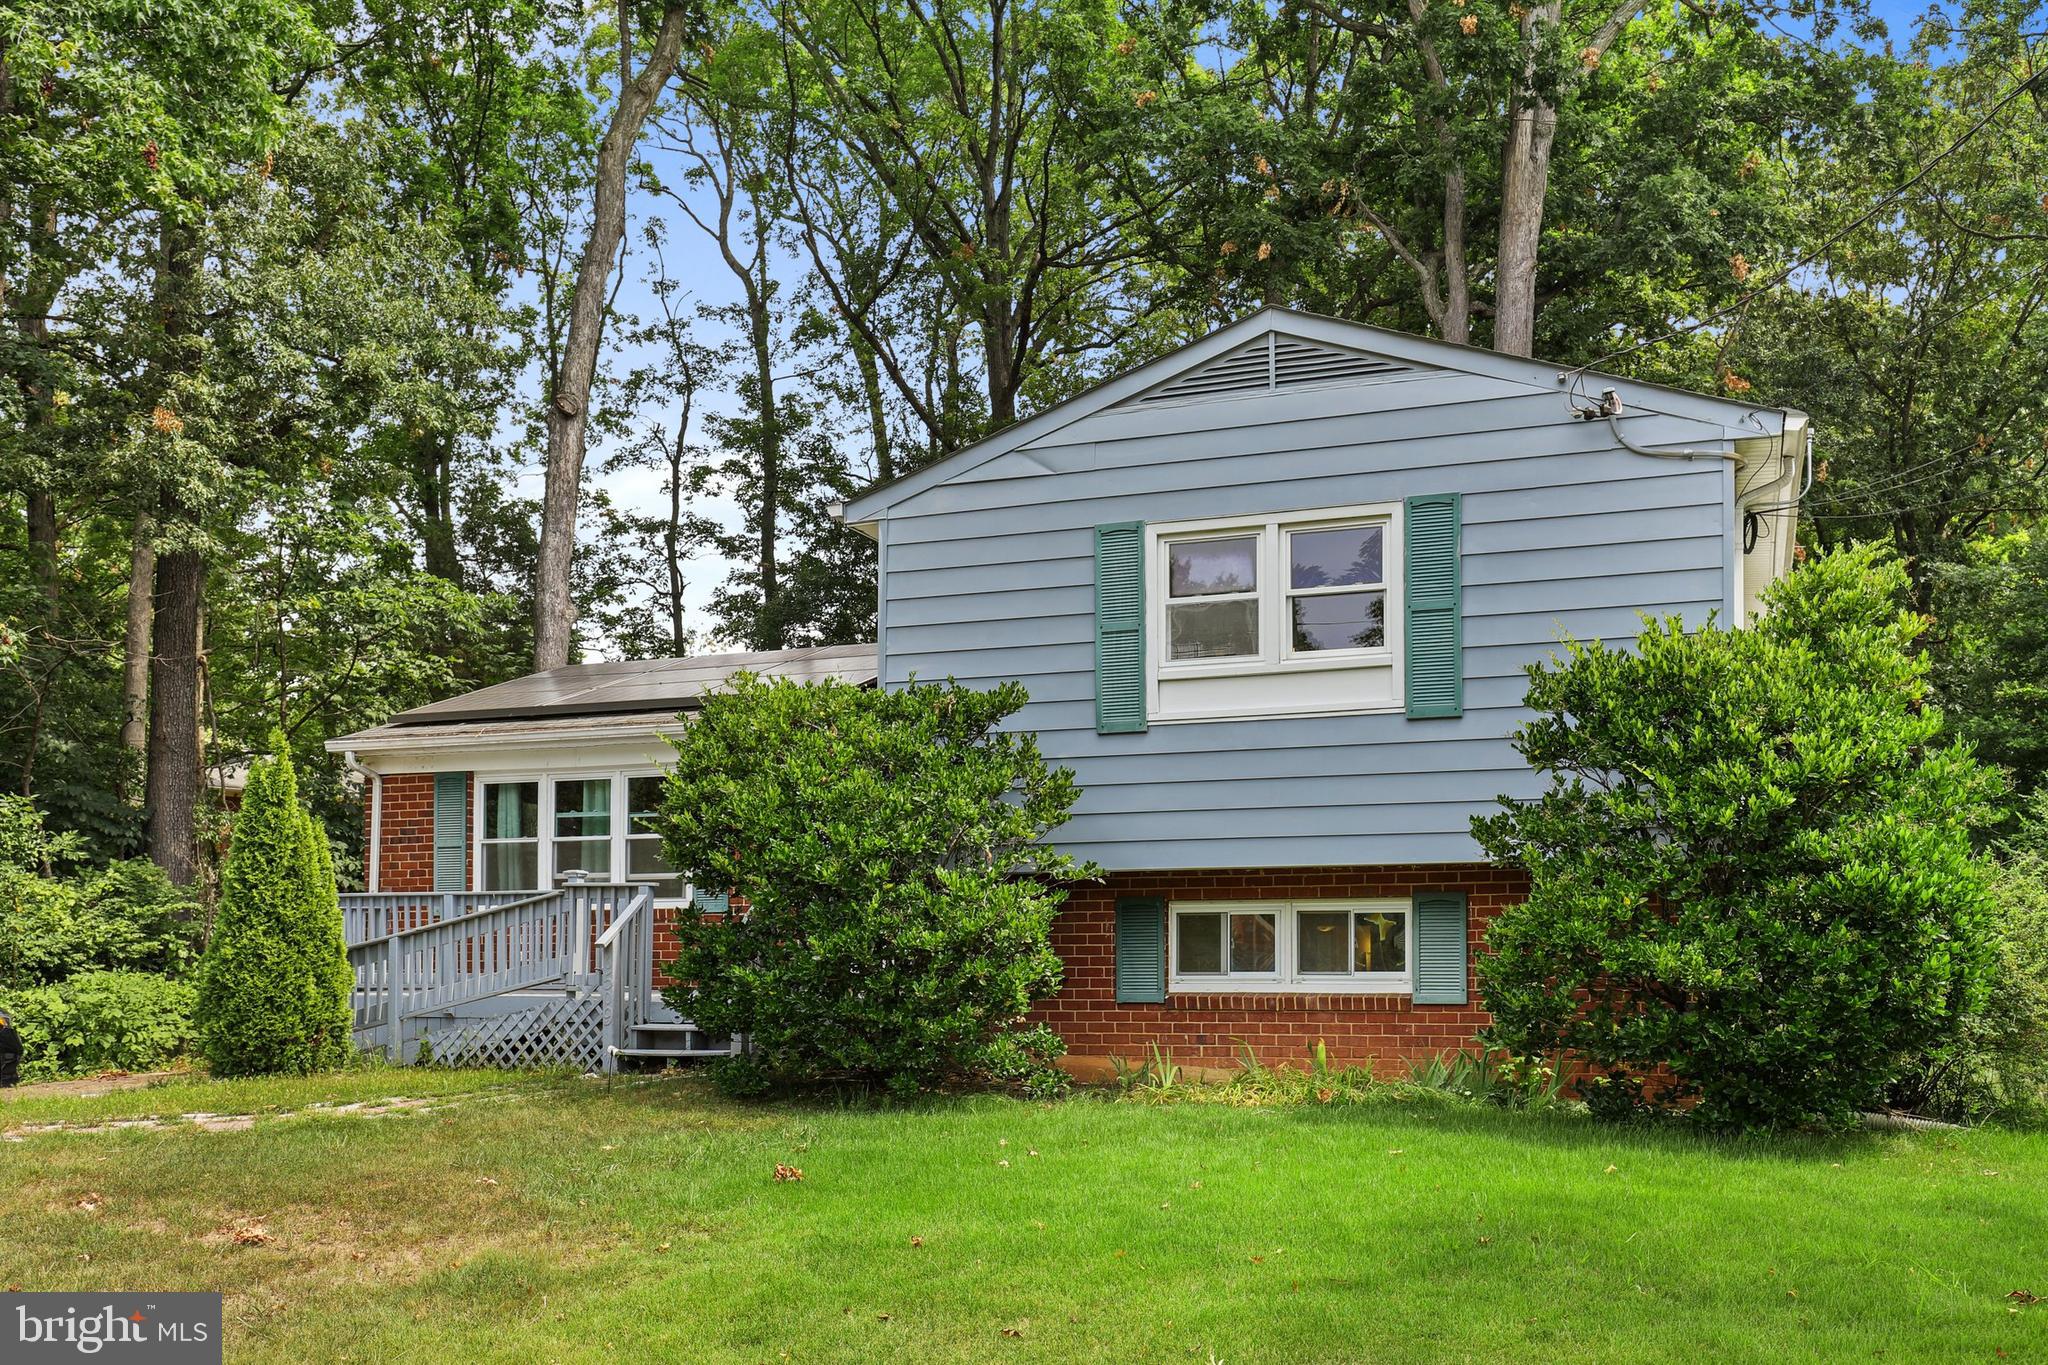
<point x="1276" y="656"/>
<point x="480" y="842"/>
<point x="1285" y="979"/>
<point x="545" y="861"/>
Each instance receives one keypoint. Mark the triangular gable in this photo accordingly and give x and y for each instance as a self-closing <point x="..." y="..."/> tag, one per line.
<point x="1285" y="327"/>
<point x="1274" y="363"/>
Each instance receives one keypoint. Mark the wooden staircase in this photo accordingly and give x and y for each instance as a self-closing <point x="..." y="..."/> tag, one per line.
<point x="551" y="978"/>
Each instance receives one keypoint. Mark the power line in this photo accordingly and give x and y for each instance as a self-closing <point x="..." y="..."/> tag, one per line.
<point x="1884" y="202"/>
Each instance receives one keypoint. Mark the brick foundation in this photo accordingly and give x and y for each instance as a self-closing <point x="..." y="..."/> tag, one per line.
<point x="1385" y="1031"/>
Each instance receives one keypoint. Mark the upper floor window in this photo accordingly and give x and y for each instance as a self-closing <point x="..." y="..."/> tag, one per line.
<point x="1296" y="613"/>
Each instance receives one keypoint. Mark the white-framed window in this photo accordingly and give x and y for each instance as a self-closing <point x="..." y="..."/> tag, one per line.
<point x="645" y="861"/>
<point x="1295" y="613"/>
<point x="508" y="836"/>
<point x="537" y="828"/>
<point x="1323" y="946"/>
<point x="583" y="827"/>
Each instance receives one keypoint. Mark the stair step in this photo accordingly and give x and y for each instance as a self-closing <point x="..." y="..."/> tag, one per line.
<point x="669" y="1052"/>
<point x="667" y="1028"/>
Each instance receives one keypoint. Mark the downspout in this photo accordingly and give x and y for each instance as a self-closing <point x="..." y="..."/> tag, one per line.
<point x="374" y="781"/>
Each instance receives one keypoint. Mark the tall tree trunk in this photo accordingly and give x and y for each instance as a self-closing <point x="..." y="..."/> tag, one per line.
<point x="878" y="411"/>
<point x="762" y="338"/>
<point x="45" y="280"/>
<point x="434" y="487"/>
<point x="1525" y="180"/>
<point x="567" y="415"/>
<point x="135" y="646"/>
<point x="171" y="793"/>
<point x="672" y="533"/>
<point x="42" y="537"/>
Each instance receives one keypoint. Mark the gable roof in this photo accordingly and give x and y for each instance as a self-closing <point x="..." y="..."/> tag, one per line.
<point x="633" y="693"/>
<point x="1227" y="357"/>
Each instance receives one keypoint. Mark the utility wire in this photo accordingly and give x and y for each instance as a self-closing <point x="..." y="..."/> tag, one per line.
<point x="1885" y="201"/>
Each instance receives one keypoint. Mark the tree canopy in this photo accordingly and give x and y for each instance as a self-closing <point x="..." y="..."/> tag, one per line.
<point x="294" y="301"/>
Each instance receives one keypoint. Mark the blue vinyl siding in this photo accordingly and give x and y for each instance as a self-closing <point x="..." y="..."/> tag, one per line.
<point x="991" y="575"/>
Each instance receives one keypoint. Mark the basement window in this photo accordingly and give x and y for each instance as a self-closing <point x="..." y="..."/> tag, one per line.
<point x="1324" y="947"/>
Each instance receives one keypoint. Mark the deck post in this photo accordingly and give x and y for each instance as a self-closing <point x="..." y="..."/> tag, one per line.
<point x="394" y="1009"/>
<point x="614" y="1014"/>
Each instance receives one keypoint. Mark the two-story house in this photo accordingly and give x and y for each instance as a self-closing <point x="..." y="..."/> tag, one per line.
<point x="1273" y="596"/>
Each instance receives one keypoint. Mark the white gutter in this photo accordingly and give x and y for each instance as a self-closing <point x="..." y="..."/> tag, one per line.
<point x="403" y="743"/>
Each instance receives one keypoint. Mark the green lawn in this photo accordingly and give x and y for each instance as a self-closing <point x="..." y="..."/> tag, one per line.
<point x="565" y="1219"/>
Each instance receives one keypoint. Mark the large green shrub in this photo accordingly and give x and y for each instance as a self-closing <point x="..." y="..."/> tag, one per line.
<point x="887" y="844"/>
<point x="1753" y="864"/>
<point x="126" y="916"/>
<point x="99" y="1021"/>
<point x="274" y="984"/>
<point x="1995" y="1064"/>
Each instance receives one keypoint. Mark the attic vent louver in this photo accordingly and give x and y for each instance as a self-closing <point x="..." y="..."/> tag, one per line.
<point x="1272" y="363"/>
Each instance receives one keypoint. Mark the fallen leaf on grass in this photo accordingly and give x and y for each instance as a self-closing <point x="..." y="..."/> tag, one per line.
<point x="789" y="1173"/>
<point x="485" y="1180"/>
<point x="1612" y="1169"/>
<point x="90" y="1203"/>
<point x="249" y="1232"/>
<point x="1005" y="1164"/>
<point x="663" y="1247"/>
<point x="2024" y="1296"/>
<point x="881" y="1317"/>
<point x="1013" y="1331"/>
<point x="917" y="1241"/>
<point x="1397" y="1151"/>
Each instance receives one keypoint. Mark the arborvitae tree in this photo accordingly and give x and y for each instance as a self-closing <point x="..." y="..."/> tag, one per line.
<point x="274" y="984"/>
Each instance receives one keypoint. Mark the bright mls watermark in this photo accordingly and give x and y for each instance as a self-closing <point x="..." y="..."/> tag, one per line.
<point x="170" y="1329"/>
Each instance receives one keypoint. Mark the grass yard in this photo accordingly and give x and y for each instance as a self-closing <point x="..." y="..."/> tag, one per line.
<point x="525" y="1219"/>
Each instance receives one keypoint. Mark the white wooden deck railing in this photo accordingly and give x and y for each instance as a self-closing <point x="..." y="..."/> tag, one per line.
<point x="379" y="914"/>
<point x="425" y="962"/>
<point x="628" y="965"/>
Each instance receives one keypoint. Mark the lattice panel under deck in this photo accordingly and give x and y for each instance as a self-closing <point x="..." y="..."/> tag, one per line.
<point x="561" y="1032"/>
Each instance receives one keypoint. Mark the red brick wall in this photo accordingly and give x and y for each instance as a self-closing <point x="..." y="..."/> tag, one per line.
<point x="1386" y="1031"/>
<point x="406" y="857"/>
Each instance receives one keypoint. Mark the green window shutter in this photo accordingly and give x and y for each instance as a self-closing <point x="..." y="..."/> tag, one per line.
<point x="1140" y="950"/>
<point x="1120" y="628"/>
<point x="451" y="831"/>
<point x="1435" y="612"/>
<point x="711" y="902"/>
<point x="1441" y="951"/>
